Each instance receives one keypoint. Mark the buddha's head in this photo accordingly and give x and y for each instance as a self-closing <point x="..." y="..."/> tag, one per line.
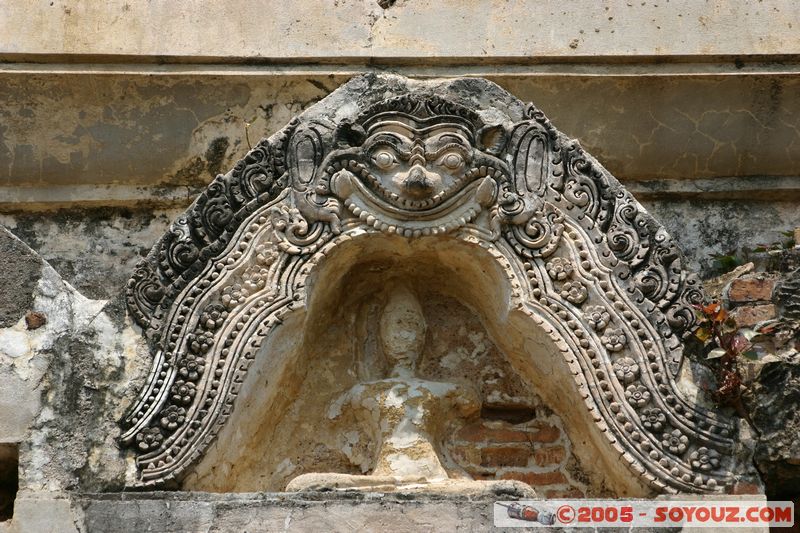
<point x="402" y="331"/>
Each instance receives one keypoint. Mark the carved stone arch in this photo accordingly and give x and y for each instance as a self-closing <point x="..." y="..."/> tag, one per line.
<point x="387" y="157"/>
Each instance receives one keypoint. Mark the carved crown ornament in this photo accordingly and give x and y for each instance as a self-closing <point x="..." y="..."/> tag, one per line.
<point x="385" y="155"/>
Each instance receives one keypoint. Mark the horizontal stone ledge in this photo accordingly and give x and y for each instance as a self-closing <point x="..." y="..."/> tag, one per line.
<point x="330" y="511"/>
<point x="747" y="188"/>
<point x="176" y="129"/>
<point x="422" y="67"/>
<point x="357" y="496"/>
<point x="45" y="198"/>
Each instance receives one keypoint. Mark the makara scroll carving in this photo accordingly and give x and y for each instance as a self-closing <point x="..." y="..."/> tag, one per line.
<point x="453" y="160"/>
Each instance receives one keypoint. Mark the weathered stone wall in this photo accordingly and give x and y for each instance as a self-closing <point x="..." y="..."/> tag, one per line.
<point x="710" y="155"/>
<point x="405" y="28"/>
<point x="684" y="102"/>
<point x="114" y="115"/>
<point x="764" y="295"/>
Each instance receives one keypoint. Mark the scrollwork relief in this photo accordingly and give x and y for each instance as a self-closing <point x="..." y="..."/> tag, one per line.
<point x="424" y="160"/>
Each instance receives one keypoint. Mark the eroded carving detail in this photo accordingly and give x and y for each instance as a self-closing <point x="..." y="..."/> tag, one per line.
<point x="406" y="415"/>
<point x="603" y="278"/>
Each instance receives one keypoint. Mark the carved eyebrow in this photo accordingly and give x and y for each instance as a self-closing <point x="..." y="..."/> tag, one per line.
<point x="390" y="139"/>
<point x="433" y="143"/>
<point x="450" y="147"/>
<point x="451" y="138"/>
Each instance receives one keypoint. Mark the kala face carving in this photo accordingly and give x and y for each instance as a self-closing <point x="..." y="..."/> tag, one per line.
<point x="417" y="168"/>
<point x="428" y="159"/>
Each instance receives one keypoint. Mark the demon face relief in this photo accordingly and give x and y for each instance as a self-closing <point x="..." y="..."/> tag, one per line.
<point x="412" y="162"/>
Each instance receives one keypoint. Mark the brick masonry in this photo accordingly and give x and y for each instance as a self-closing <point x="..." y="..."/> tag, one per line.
<point x="752" y="288"/>
<point x="748" y="316"/>
<point x="536" y="452"/>
<point x="750" y="298"/>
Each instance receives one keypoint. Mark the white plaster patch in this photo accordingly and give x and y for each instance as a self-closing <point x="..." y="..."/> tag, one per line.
<point x="285" y="468"/>
<point x="454" y="359"/>
<point x="403" y="465"/>
<point x="405" y="435"/>
<point x="14" y="343"/>
<point x="395" y="397"/>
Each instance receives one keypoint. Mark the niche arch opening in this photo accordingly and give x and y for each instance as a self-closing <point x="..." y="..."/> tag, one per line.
<point x="280" y="428"/>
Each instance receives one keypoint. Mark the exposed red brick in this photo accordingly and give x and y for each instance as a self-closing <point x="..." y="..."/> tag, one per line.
<point x="479" y="433"/>
<point x="35" y="319"/>
<point x="480" y="473"/>
<point x="572" y="492"/>
<point x="544" y="433"/>
<point x="751" y="289"/>
<point x="750" y="315"/>
<point x="466" y="454"/>
<point x="499" y="456"/>
<point x="550" y="455"/>
<point x="537" y="479"/>
<point x="742" y="487"/>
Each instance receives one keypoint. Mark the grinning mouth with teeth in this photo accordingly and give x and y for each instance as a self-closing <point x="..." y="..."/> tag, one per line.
<point x="419" y="166"/>
<point x="417" y="169"/>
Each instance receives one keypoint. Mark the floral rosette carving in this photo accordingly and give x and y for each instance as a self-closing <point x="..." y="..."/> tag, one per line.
<point x="172" y="417"/>
<point x="654" y="419"/>
<point x="191" y="368"/>
<point x="597" y="317"/>
<point x="704" y="459"/>
<point x="637" y="395"/>
<point x="675" y="441"/>
<point x="626" y="369"/>
<point x="559" y="269"/>
<point x="614" y="340"/>
<point x="149" y="439"/>
<point x="183" y="392"/>
<point x="574" y="292"/>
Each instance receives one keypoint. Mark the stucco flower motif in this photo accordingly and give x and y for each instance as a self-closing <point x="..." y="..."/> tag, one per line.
<point x="614" y="340"/>
<point x="183" y="392"/>
<point x="653" y="419"/>
<point x="255" y="279"/>
<point x="172" y="417"/>
<point x="149" y="439"/>
<point x="200" y="342"/>
<point x="212" y="317"/>
<point x="191" y="368"/>
<point x="675" y="441"/>
<point x="626" y="369"/>
<point x="233" y="295"/>
<point x="704" y="459"/>
<point x="266" y="255"/>
<point x="637" y="395"/>
<point x="559" y="268"/>
<point x="574" y="292"/>
<point x="597" y="316"/>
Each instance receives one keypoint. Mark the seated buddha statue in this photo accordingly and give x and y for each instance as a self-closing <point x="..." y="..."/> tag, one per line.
<point x="404" y="415"/>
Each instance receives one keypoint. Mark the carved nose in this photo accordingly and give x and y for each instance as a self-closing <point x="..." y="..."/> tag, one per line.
<point x="417" y="182"/>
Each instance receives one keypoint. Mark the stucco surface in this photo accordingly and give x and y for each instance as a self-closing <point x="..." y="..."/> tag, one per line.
<point x="142" y="130"/>
<point x="409" y="28"/>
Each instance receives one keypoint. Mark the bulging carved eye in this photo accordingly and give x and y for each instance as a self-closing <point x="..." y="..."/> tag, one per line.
<point x="384" y="159"/>
<point x="452" y="160"/>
